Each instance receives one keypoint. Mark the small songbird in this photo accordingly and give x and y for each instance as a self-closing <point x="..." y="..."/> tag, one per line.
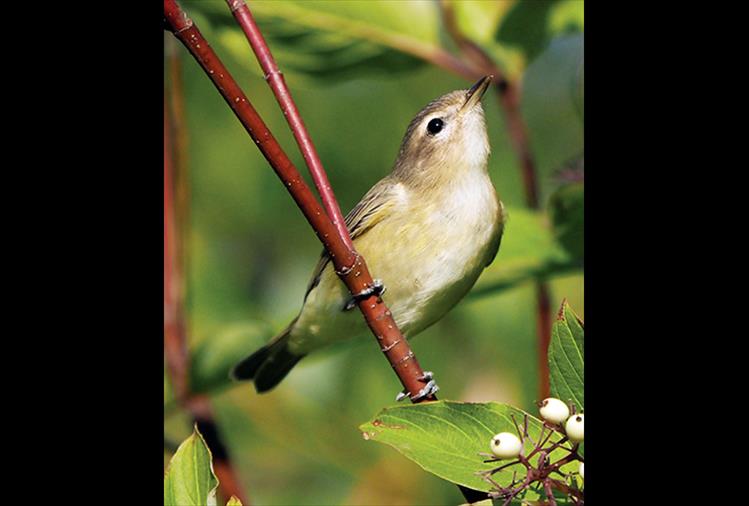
<point x="427" y="231"/>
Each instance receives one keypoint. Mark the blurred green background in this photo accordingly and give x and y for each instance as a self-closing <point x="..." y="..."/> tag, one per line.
<point x="251" y="251"/>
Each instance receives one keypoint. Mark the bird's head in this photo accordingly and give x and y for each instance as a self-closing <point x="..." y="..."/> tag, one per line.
<point x="446" y="137"/>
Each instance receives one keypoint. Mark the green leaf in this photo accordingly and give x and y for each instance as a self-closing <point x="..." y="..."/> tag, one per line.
<point x="330" y="39"/>
<point x="566" y="207"/>
<point x="567" y="358"/>
<point x="531" y="25"/>
<point x="445" y="438"/>
<point x="215" y="356"/>
<point x="479" y="21"/>
<point x="189" y="479"/>
<point x="526" y="26"/>
<point x="567" y="16"/>
<point x="234" y="501"/>
<point x="528" y="251"/>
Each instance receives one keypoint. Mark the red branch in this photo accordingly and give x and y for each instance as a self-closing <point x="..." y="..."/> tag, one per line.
<point x="349" y="265"/>
<point x="175" y="349"/>
<point x="277" y="83"/>
<point x="175" y="328"/>
<point x="509" y="98"/>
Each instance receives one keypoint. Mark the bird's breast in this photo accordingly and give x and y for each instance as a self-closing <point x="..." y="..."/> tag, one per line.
<point x="441" y="242"/>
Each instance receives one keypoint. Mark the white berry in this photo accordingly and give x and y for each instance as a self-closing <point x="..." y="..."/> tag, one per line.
<point x="575" y="428"/>
<point x="506" y="445"/>
<point x="554" y="411"/>
<point x="581" y="471"/>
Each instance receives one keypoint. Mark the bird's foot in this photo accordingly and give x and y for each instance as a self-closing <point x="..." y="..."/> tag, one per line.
<point x="429" y="389"/>
<point x="377" y="288"/>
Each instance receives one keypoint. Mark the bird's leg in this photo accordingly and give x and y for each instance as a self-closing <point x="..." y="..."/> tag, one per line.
<point x="377" y="288"/>
<point x="430" y="388"/>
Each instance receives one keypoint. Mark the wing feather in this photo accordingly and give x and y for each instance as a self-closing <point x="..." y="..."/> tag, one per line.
<point x="494" y="247"/>
<point x="366" y="214"/>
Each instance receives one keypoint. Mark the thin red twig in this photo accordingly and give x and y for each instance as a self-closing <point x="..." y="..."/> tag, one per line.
<point x="277" y="83"/>
<point x="180" y="152"/>
<point x="174" y="344"/>
<point x="175" y="261"/>
<point x="349" y="265"/>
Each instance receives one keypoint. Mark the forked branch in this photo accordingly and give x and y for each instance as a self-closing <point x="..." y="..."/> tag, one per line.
<point x="349" y="265"/>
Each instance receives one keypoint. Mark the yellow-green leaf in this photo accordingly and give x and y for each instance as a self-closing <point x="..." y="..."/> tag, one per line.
<point x="327" y="39"/>
<point x="567" y="358"/>
<point x="189" y="479"/>
<point x="445" y="438"/>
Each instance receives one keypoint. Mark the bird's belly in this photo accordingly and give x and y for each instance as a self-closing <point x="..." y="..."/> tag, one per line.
<point x="425" y="287"/>
<point x="427" y="264"/>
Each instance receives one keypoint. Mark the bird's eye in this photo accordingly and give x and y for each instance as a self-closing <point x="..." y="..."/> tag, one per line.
<point x="435" y="126"/>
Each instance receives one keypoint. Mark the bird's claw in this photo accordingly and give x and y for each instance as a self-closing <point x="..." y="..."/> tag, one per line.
<point x="377" y="288"/>
<point x="429" y="389"/>
<point x="428" y="375"/>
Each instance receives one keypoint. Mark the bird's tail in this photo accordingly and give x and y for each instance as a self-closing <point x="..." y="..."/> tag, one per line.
<point x="268" y="365"/>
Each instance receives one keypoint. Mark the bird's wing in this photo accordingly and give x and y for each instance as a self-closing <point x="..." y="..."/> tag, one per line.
<point x="366" y="214"/>
<point x="494" y="247"/>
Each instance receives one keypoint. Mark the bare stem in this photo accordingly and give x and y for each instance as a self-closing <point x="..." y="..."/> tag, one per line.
<point x="175" y="349"/>
<point x="549" y="493"/>
<point x="180" y="152"/>
<point x="566" y="489"/>
<point x="277" y="83"/>
<point x="176" y="212"/>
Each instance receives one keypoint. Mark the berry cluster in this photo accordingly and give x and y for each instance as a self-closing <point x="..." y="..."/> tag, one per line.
<point x="558" y="419"/>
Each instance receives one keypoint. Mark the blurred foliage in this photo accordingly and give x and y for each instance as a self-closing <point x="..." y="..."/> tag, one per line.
<point x="252" y="252"/>
<point x="567" y="207"/>
<point x="330" y="40"/>
<point x="530" y="25"/>
<point x="213" y="359"/>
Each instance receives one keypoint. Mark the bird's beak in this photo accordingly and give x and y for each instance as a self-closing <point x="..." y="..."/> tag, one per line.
<point x="473" y="96"/>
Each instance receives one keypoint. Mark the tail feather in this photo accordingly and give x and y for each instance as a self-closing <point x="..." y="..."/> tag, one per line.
<point x="268" y="365"/>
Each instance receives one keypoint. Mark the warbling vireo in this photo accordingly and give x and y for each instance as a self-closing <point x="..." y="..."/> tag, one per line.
<point x="427" y="231"/>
